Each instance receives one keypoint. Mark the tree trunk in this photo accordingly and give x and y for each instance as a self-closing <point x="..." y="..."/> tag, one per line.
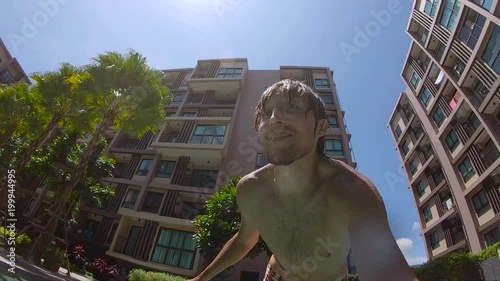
<point x="78" y="174"/>
<point x="8" y="134"/>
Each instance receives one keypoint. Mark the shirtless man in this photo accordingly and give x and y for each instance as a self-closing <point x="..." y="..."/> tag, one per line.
<point x="309" y="209"/>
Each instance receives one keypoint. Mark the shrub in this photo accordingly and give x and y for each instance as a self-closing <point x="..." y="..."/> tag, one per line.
<point x="143" y="275"/>
<point x="457" y="266"/>
<point x="53" y="258"/>
<point x="491" y="251"/>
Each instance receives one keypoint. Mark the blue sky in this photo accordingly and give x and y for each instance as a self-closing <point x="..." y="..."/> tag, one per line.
<point x="176" y="33"/>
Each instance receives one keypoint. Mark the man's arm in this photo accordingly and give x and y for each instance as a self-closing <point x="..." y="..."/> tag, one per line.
<point x="375" y="251"/>
<point x="238" y="246"/>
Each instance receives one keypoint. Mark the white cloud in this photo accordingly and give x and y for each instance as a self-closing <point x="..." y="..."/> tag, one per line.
<point x="405" y="244"/>
<point x="416" y="260"/>
<point x="416" y="225"/>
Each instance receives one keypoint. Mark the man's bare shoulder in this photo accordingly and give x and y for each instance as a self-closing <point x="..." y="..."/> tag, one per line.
<point x="250" y="185"/>
<point x="355" y="187"/>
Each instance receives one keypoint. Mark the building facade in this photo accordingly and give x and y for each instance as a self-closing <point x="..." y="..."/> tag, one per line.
<point x="162" y="180"/>
<point x="446" y="124"/>
<point x="10" y="69"/>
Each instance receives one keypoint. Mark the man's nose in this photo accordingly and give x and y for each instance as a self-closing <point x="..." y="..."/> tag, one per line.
<point x="276" y="118"/>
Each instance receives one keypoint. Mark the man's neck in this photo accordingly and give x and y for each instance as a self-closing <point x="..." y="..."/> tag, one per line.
<point x="298" y="178"/>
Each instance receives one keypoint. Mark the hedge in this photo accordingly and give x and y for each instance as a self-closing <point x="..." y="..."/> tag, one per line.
<point x="457" y="266"/>
<point x="143" y="275"/>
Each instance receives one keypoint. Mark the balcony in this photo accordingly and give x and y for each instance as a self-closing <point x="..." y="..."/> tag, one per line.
<point x="125" y="245"/>
<point x="223" y="76"/>
<point x="489" y="154"/>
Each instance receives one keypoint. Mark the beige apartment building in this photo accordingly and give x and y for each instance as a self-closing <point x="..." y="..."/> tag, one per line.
<point x="446" y="124"/>
<point x="10" y="69"/>
<point x="162" y="180"/>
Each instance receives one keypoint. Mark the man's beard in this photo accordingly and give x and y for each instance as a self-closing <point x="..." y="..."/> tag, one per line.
<point x="284" y="156"/>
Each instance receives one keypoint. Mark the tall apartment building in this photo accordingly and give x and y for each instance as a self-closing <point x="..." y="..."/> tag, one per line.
<point x="446" y="124"/>
<point x="162" y="180"/>
<point x="10" y="69"/>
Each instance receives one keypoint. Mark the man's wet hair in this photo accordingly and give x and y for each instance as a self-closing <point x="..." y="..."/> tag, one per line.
<point x="292" y="89"/>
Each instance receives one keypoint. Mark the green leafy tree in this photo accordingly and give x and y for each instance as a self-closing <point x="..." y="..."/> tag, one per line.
<point x="58" y="101"/>
<point x="221" y="222"/>
<point x="20" y="111"/>
<point x="58" y="161"/>
<point x="120" y="91"/>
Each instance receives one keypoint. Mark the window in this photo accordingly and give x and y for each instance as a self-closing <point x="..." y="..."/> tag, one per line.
<point x="480" y="92"/>
<point x="209" y="134"/>
<point x="165" y="169"/>
<point x="152" y="202"/>
<point x="130" y="143"/>
<point x="452" y="140"/>
<point x="333" y="147"/>
<point x="398" y="131"/>
<point x="492" y="236"/>
<point x="177" y="99"/>
<point x="90" y="228"/>
<point x="332" y="121"/>
<point x="458" y="69"/>
<point x="431" y="7"/>
<point x="438" y="116"/>
<point x="261" y="161"/>
<point x="474" y="121"/>
<point x="327" y="99"/>
<point x="172" y="137"/>
<point x="5" y="76"/>
<point x="424" y="37"/>
<point x="440" y="50"/>
<point x="229" y="73"/>
<point x="427" y="213"/>
<point x="466" y="169"/>
<point x="195" y="98"/>
<point x="183" y="84"/>
<point x="144" y="167"/>
<point x="472" y="28"/>
<point x="414" y="80"/>
<point x="189" y="114"/>
<point x="322" y="84"/>
<point x="420" y="189"/>
<point x="481" y="203"/>
<point x="450" y="14"/>
<point x="413" y="167"/>
<point x="484" y="3"/>
<point x="249" y="276"/>
<point x="426" y="96"/>
<point x="130" y="198"/>
<point x="434" y="240"/>
<point x="201" y="178"/>
<point x="111" y="234"/>
<point x="491" y="54"/>
<point x="405" y="147"/>
<point x="174" y="248"/>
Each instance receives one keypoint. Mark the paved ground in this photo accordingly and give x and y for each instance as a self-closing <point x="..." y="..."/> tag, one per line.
<point x="26" y="271"/>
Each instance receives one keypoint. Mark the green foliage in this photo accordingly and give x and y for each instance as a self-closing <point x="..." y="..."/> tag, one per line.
<point x="23" y="239"/>
<point x="142" y="275"/>
<point x="352" y="277"/>
<point x="489" y="252"/>
<point x="221" y="222"/>
<point x="456" y="266"/>
<point x="53" y="258"/>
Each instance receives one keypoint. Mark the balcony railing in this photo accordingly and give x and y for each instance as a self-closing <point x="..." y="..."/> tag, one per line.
<point x="458" y="236"/>
<point x="125" y="246"/>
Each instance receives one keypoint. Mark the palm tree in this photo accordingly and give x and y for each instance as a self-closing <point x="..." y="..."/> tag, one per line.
<point x="120" y="91"/>
<point x="59" y="100"/>
<point x="19" y="113"/>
